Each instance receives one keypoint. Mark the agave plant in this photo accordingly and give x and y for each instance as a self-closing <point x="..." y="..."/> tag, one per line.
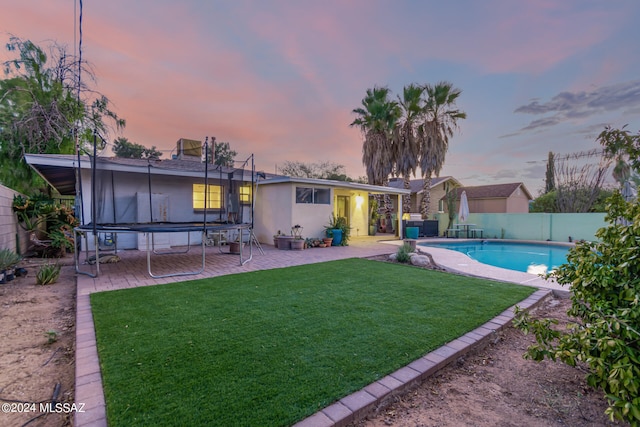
<point x="8" y="259"/>
<point x="48" y="274"/>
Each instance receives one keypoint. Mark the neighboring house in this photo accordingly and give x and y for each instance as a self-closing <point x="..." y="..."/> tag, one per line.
<point x="496" y="198"/>
<point x="142" y="191"/>
<point x="439" y="187"/>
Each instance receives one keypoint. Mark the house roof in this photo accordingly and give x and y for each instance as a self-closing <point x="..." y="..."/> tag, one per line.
<point x="493" y="191"/>
<point x="376" y="189"/>
<point x="415" y="185"/>
<point x="59" y="171"/>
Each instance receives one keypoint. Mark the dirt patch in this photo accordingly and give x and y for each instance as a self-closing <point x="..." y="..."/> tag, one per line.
<point x="37" y="332"/>
<point x="496" y="386"/>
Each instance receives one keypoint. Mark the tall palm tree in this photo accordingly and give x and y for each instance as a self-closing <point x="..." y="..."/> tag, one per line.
<point x="440" y="120"/>
<point x="377" y="118"/>
<point x="405" y="137"/>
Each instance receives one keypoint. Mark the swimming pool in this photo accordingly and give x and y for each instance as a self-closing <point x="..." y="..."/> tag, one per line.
<point x="534" y="258"/>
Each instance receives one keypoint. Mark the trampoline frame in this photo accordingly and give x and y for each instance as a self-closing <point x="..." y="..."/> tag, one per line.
<point x="149" y="230"/>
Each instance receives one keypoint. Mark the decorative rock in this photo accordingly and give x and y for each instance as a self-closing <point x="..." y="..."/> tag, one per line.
<point x="393" y="256"/>
<point x="420" y="260"/>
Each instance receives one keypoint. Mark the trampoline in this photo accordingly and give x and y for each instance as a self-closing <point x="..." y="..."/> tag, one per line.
<point x="119" y="222"/>
<point x="149" y="229"/>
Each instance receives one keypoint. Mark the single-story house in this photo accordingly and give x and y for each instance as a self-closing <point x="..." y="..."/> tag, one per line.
<point x="439" y="187"/>
<point x="496" y="198"/>
<point x="176" y="191"/>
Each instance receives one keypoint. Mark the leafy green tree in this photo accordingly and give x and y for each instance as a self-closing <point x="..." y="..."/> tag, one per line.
<point x="620" y="143"/>
<point x="223" y="155"/>
<point x="130" y="150"/>
<point x="624" y="149"/>
<point x="320" y="170"/>
<point x="46" y="107"/>
<point x="604" y="281"/>
<point x="441" y="118"/>
<point x="547" y="202"/>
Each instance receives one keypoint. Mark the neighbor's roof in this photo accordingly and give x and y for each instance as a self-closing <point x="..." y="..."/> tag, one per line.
<point x="494" y="191"/>
<point x="333" y="183"/>
<point x="415" y="185"/>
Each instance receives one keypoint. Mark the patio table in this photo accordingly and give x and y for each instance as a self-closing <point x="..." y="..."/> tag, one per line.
<point x="465" y="228"/>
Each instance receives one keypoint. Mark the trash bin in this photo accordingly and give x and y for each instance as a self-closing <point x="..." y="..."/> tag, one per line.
<point x="412" y="232"/>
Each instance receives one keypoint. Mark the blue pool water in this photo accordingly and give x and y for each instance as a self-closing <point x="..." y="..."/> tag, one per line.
<point x="535" y="258"/>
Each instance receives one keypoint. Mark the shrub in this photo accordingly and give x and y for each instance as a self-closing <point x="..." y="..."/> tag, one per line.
<point x="48" y="274"/>
<point x="52" y="336"/>
<point x="604" y="279"/>
<point x="404" y="254"/>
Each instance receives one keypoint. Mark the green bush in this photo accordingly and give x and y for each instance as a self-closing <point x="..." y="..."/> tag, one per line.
<point x="54" y="220"/>
<point x="604" y="279"/>
<point x="404" y="254"/>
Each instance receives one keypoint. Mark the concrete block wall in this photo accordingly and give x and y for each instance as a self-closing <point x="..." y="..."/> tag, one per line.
<point x="534" y="226"/>
<point x="12" y="236"/>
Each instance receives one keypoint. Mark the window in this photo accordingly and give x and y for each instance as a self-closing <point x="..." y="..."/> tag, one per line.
<point x="214" y="199"/>
<point x="309" y="195"/>
<point x="245" y="194"/>
<point x="321" y="196"/>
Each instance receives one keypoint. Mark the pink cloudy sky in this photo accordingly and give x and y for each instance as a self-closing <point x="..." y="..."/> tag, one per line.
<point x="279" y="79"/>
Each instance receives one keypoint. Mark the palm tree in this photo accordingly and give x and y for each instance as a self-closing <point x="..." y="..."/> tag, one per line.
<point x="440" y="120"/>
<point x="377" y="119"/>
<point x="406" y="142"/>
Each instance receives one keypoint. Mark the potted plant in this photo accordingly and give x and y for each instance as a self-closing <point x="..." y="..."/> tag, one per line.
<point x="298" y="242"/>
<point x="284" y="242"/>
<point x="8" y="260"/>
<point x="373" y="217"/>
<point x="275" y="238"/>
<point x="339" y="230"/>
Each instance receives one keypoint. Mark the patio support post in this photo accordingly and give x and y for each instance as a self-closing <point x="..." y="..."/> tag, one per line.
<point x="399" y="216"/>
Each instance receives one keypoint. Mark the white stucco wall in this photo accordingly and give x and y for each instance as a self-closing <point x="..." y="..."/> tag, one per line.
<point x="276" y="209"/>
<point x="272" y="211"/>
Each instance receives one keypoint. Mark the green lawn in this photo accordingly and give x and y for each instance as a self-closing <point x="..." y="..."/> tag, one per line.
<point x="272" y="347"/>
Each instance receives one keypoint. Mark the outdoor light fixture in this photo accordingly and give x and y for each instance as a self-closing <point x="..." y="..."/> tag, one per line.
<point x="359" y="201"/>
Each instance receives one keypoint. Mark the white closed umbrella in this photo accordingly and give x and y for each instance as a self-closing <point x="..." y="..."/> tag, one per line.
<point x="628" y="192"/>
<point x="463" y="212"/>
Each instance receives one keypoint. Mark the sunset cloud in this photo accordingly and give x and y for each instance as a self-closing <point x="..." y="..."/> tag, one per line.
<point x="279" y="79"/>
